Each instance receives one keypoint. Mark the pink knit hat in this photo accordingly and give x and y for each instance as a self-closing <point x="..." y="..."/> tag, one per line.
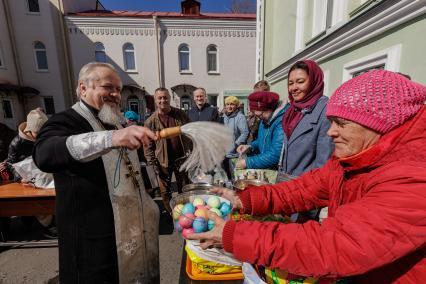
<point x="380" y="100"/>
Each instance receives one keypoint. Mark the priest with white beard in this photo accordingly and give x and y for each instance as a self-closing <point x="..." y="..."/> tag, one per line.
<point x="107" y="223"/>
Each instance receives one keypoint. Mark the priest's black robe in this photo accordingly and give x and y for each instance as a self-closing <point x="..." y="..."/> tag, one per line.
<point x="84" y="215"/>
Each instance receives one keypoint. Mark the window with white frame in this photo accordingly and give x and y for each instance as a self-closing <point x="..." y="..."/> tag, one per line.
<point x="325" y="14"/>
<point x="320" y="17"/>
<point x="212" y="66"/>
<point x="49" y="105"/>
<point x="184" y="58"/>
<point x="380" y="66"/>
<point x="300" y="26"/>
<point x="100" y="55"/>
<point x="40" y="56"/>
<point x="339" y="12"/>
<point x="129" y="57"/>
<point x="33" y="6"/>
<point x="388" y="59"/>
<point x="7" y="109"/>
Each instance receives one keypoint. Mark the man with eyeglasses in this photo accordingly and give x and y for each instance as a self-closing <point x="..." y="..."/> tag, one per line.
<point x="107" y="223"/>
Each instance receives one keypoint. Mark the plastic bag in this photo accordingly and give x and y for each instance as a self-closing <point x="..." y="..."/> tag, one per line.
<point x="213" y="254"/>
<point x="210" y="266"/>
<point x="250" y="275"/>
<point x="29" y="172"/>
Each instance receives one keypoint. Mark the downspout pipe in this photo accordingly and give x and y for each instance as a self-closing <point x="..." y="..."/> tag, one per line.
<point x="71" y="97"/>
<point x="157" y="38"/>
<point x="15" y="54"/>
<point x="12" y="39"/>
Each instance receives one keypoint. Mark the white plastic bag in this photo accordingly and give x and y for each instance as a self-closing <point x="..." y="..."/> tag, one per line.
<point x="29" y="171"/>
<point x="250" y="275"/>
<point x="213" y="254"/>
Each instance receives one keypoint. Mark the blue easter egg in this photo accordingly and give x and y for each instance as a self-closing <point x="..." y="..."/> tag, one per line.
<point x="210" y="225"/>
<point x="188" y="208"/>
<point x="199" y="225"/>
<point x="225" y="208"/>
<point x="178" y="227"/>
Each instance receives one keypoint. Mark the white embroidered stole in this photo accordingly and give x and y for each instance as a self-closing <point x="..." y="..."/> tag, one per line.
<point x="136" y="215"/>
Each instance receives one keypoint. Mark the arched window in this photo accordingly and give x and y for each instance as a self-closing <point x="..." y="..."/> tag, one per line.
<point x="212" y="59"/>
<point x="184" y="64"/>
<point x="129" y="57"/>
<point x="40" y="56"/>
<point x="100" y="55"/>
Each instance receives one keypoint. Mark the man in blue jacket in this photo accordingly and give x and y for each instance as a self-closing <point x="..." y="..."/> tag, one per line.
<point x="203" y="111"/>
<point x="264" y="152"/>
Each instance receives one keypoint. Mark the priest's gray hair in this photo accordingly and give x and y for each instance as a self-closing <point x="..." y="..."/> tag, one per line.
<point x="88" y="76"/>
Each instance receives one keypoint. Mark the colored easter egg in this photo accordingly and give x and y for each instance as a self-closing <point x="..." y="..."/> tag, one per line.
<point x="202" y="212"/>
<point x="200" y="207"/>
<point x="199" y="225"/>
<point x="178" y="227"/>
<point x="213" y="202"/>
<point x="186" y="232"/>
<point x="225" y="208"/>
<point x="217" y="211"/>
<point x="185" y="221"/>
<point x="177" y="211"/>
<point x="188" y="208"/>
<point x="210" y="225"/>
<point x="198" y="201"/>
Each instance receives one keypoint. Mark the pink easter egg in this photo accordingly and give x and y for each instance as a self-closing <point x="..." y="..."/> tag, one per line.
<point x="186" y="232"/>
<point x="185" y="221"/>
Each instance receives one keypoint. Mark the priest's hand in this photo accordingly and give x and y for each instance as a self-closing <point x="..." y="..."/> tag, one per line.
<point x="132" y="137"/>
<point x="211" y="238"/>
<point x="229" y="195"/>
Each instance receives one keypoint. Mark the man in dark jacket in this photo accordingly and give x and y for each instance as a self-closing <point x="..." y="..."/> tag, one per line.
<point x="7" y="135"/>
<point x="203" y="111"/>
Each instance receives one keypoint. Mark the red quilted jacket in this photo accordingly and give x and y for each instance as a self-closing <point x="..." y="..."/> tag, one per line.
<point x="376" y="230"/>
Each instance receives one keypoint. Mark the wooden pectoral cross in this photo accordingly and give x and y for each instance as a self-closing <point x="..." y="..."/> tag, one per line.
<point x="132" y="173"/>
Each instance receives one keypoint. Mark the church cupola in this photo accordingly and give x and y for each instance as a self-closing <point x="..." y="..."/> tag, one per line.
<point x="190" y="7"/>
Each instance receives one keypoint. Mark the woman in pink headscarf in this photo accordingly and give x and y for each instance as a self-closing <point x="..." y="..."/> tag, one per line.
<point x="306" y="145"/>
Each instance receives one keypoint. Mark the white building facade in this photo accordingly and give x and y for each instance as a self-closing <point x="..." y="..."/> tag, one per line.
<point x="172" y="50"/>
<point x="44" y="43"/>
<point x="34" y="63"/>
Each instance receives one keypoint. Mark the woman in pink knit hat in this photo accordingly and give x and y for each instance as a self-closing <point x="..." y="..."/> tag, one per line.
<point x="374" y="186"/>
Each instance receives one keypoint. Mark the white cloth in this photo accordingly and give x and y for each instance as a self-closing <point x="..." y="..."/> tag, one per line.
<point x="29" y="172"/>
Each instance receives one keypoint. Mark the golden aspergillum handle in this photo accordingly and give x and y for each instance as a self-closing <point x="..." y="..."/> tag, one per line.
<point x="170" y="132"/>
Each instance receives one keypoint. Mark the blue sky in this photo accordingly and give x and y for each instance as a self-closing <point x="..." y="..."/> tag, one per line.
<point x="164" y="5"/>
